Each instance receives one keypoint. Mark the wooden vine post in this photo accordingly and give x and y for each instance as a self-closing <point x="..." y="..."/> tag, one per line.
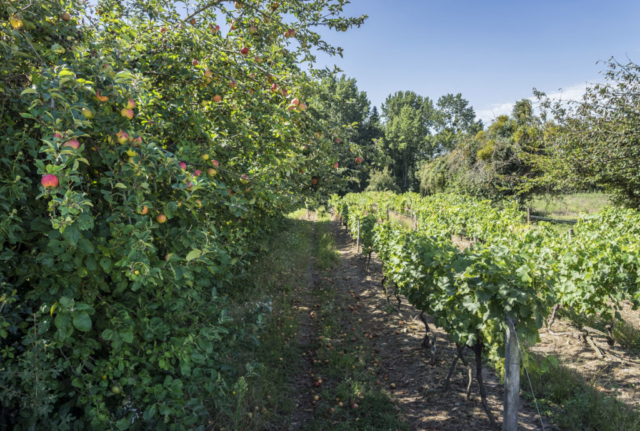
<point x="358" y="240"/>
<point x="528" y="215"/>
<point x="387" y="212"/>
<point x="415" y="222"/>
<point x="511" y="379"/>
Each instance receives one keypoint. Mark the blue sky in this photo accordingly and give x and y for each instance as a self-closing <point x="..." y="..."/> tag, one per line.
<point x="493" y="52"/>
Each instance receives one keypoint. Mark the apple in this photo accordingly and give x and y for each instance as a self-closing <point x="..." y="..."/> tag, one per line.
<point x="16" y="22"/>
<point x="163" y="30"/>
<point x="137" y="141"/>
<point x="66" y="17"/>
<point x="302" y="107"/>
<point x="195" y="62"/>
<point x="57" y="135"/>
<point x="215" y="29"/>
<point x="274" y="87"/>
<point x="354" y="406"/>
<point x="127" y="113"/>
<point x="244" y="51"/>
<point x="244" y="179"/>
<point x="197" y="173"/>
<point x="207" y="73"/>
<point x="358" y="160"/>
<point x="253" y="29"/>
<point x="275" y="6"/>
<point x="217" y="98"/>
<point x="189" y="186"/>
<point x="295" y="102"/>
<point x="314" y="181"/>
<point x="161" y="218"/>
<point x="115" y="390"/>
<point x="229" y="192"/>
<point x="49" y="181"/>
<point x="123" y="137"/>
<point x="131" y="104"/>
<point x="205" y="157"/>
<point x="232" y="84"/>
<point x="167" y="257"/>
<point x="258" y="59"/>
<point x="285" y="92"/>
<point x="336" y="165"/>
<point x="87" y="113"/>
<point x="72" y="143"/>
<point x="238" y="5"/>
<point x="215" y="163"/>
<point x="233" y="25"/>
<point x="182" y="165"/>
<point x="193" y="21"/>
<point x="211" y="172"/>
<point x="338" y="140"/>
<point x="144" y="210"/>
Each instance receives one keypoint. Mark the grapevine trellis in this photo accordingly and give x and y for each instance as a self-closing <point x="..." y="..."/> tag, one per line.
<point x="499" y="290"/>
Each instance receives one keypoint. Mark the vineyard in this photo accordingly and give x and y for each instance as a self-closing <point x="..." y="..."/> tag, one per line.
<point x="512" y="275"/>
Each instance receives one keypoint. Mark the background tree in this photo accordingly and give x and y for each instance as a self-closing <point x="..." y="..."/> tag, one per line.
<point x="454" y="118"/>
<point x="340" y="103"/>
<point x="595" y="142"/>
<point x="408" y="119"/>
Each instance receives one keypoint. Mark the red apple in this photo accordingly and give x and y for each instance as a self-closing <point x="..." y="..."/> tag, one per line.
<point x="314" y="181"/>
<point x="49" y="181"/>
<point x="338" y="140"/>
<point x="144" y="210"/>
<point x="182" y="165"/>
<point x="66" y="17"/>
<point x="123" y="137"/>
<point x="72" y="143"/>
<point x="257" y="59"/>
<point x="295" y="102"/>
<point x="358" y="160"/>
<point x="217" y="98"/>
<point x="215" y="163"/>
<point x="127" y="113"/>
<point x="137" y="141"/>
<point x="238" y="5"/>
<point x="336" y="165"/>
<point x="244" y="51"/>
<point x="197" y="173"/>
<point x="163" y="30"/>
<point x="57" y="135"/>
<point x="131" y="104"/>
<point x="274" y="87"/>
<point x="215" y="29"/>
<point x="161" y="218"/>
<point x="302" y="107"/>
<point x="195" y="62"/>
<point x="232" y="84"/>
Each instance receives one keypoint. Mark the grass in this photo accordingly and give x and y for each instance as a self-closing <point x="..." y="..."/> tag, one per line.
<point x="574" y="403"/>
<point x="262" y="395"/>
<point x="568" y="207"/>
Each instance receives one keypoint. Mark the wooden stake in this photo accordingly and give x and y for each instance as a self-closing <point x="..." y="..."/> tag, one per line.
<point x="570" y="233"/>
<point x="511" y="379"/>
<point x="528" y="215"/>
<point x="358" y="241"/>
<point x="387" y="212"/>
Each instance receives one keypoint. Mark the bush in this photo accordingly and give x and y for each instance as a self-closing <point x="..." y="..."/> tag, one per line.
<point x="142" y="154"/>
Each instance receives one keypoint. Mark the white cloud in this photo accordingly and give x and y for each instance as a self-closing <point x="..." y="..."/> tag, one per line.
<point x="574" y="92"/>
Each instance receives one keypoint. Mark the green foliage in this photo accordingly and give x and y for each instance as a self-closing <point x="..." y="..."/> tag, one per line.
<point x="408" y="120"/>
<point x="489" y="164"/>
<point x="511" y="269"/>
<point x="382" y="181"/>
<point x="109" y="318"/>
<point x="341" y="104"/>
<point x="594" y="142"/>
